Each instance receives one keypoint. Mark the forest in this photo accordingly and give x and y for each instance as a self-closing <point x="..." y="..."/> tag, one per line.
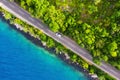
<point x="93" y="24"/>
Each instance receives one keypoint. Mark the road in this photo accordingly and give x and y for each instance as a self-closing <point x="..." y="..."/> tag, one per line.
<point x="67" y="42"/>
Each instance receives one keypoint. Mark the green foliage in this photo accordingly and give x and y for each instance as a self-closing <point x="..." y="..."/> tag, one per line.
<point x="97" y="60"/>
<point x="113" y="54"/>
<point x="94" y="25"/>
<point x="74" y="58"/>
<point x="85" y="65"/>
<point x="105" y="58"/>
<point x="112" y="46"/>
<point x="50" y="43"/>
<point x="8" y="16"/>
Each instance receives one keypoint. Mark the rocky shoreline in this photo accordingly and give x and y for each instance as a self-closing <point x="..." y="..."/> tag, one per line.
<point x="37" y="42"/>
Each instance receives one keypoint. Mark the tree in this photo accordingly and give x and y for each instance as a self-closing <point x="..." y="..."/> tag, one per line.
<point x="97" y="1"/>
<point x="8" y="16"/>
<point x="102" y="78"/>
<point x="96" y="53"/>
<point x="74" y="58"/>
<point x="54" y="27"/>
<point x="113" y="54"/>
<point x="92" y="71"/>
<point x="99" y="43"/>
<point x="85" y="65"/>
<point x="105" y="58"/>
<point x="50" y="43"/>
<point x="112" y="46"/>
<point x="92" y="8"/>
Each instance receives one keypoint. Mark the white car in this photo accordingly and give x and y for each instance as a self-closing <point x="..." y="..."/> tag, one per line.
<point x="58" y="34"/>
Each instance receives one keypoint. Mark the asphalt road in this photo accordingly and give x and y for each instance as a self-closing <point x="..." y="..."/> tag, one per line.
<point x="67" y="42"/>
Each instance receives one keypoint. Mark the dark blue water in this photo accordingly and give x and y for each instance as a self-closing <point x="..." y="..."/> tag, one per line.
<point x="22" y="60"/>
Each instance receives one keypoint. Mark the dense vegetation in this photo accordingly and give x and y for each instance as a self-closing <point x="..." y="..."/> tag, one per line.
<point x="94" y="25"/>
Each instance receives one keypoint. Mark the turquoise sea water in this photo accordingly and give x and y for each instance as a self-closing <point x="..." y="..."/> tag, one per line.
<point x="22" y="60"/>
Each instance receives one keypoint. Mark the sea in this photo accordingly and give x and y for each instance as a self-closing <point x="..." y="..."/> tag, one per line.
<point x="20" y="59"/>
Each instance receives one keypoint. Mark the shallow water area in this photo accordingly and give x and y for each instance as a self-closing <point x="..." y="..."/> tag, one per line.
<point x="20" y="59"/>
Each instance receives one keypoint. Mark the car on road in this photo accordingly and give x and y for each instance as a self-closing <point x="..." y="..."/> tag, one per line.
<point x="58" y="34"/>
